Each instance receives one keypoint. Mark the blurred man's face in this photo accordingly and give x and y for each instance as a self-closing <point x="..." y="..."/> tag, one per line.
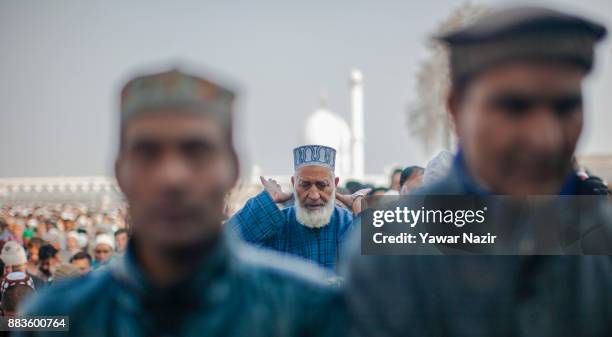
<point x="314" y="191"/>
<point x="121" y="240"/>
<point x="47" y="266"/>
<point x="83" y="265"/>
<point x="175" y="171"/>
<point x="518" y="125"/>
<point x="71" y="243"/>
<point x="103" y="252"/>
<point x="33" y="254"/>
<point x="11" y="269"/>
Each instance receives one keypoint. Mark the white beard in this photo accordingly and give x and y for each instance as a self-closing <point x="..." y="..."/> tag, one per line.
<point x="315" y="218"/>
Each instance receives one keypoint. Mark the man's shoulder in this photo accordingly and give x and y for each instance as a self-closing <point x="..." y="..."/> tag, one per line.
<point x="449" y="185"/>
<point x="344" y="212"/>
<point x="67" y="296"/>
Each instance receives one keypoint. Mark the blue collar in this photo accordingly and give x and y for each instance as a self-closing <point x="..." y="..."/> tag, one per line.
<point x="130" y="273"/>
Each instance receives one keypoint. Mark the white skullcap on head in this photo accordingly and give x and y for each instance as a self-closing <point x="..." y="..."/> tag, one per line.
<point x="438" y="167"/>
<point x="82" y="240"/>
<point x="53" y="236"/>
<point x="105" y="239"/>
<point x="13" y="254"/>
<point x="74" y="235"/>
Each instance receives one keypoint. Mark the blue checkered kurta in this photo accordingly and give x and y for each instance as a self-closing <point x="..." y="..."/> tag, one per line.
<point x="261" y="222"/>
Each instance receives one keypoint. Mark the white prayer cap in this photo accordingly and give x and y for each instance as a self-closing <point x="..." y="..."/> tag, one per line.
<point x="53" y="236"/>
<point x="74" y="235"/>
<point x="438" y="167"/>
<point x="13" y="254"/>
<point x="105" y="239"/>
<point x="82" y="240"/>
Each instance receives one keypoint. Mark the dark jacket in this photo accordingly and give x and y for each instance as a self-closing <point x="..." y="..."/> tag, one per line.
<point x="479" y="295"/>
<point x="238" y="291"/>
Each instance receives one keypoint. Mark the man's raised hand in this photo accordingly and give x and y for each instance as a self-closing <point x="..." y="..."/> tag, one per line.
<point x="275" y="190"/>
<point x="353" y="201"/>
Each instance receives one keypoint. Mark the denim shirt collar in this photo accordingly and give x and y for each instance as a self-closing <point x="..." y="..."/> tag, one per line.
<point x="130" y="274"/>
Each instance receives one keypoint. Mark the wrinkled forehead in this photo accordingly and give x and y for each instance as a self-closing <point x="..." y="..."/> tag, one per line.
<point x="313" y="173"/>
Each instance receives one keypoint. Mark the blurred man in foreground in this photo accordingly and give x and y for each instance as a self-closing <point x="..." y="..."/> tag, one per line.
<point x="314" y="227"/>
<point x="516" y="103"/>
<point x="181" y="275"/>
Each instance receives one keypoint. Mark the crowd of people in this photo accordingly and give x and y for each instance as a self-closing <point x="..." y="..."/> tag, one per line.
<point x="188" y="269"/>
<point x="43" y="244"/>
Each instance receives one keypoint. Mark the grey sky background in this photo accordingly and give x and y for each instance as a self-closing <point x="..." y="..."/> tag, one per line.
<point x="62" y="63"/>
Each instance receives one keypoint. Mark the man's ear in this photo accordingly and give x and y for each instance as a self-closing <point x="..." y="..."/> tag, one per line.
<point x="336" y="180"/>
<point x="236" y="168"/>
<point x="293" y="181"/>
<point x="119" y="174"/>
<point x="453" y="103"/>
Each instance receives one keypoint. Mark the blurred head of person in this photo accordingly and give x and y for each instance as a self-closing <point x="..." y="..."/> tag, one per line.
<point x="176" y="160"/>
<point x="14" y="257"/>
<point x="104" y="248"/>
<point x="516" y="96"/>
<point x="411" y="178"/>
<point x="33" y="248"/>
<point x="41" y="228"/>
<point x="82" y="261"/>
<point x="396" y="179"/>
<point x="54" y="238"/>
<point x="16" y="287"/>
<point x="65" y="271"/>
<point x="17" y="228"/>
<point x="48" y="260"/>
<point x="121" y="240"/>
<point x="375" y="195"/>
<point x="314" y="185"/>
<point x="353" y="186"/>
<point x="72" y="242"/>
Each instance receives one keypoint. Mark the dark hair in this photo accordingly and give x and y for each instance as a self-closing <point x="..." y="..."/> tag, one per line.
<point x="80" y="256"/>
<point x="38" y="242"/>
<point x="353" y="186"/>
<point x="378" y="189"/>
<point x="121" y="231"/>
<point x="409" y="171"/>
<point x="46" y="251"/>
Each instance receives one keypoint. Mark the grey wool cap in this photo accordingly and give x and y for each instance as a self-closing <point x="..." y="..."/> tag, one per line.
<point x="521" y="33"/>
<point x="173" y="92"/>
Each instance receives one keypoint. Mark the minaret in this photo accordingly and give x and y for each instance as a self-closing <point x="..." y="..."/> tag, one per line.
<point x="357" y="124"/>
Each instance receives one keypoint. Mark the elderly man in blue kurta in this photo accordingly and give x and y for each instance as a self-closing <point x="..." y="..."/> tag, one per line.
<point x="315" y="226"/>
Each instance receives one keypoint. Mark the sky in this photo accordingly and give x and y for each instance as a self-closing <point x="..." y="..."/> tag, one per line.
<point x="63" y="63"/>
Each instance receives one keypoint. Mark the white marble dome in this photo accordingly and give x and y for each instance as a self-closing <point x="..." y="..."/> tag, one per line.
<point x="323" y="127"/>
